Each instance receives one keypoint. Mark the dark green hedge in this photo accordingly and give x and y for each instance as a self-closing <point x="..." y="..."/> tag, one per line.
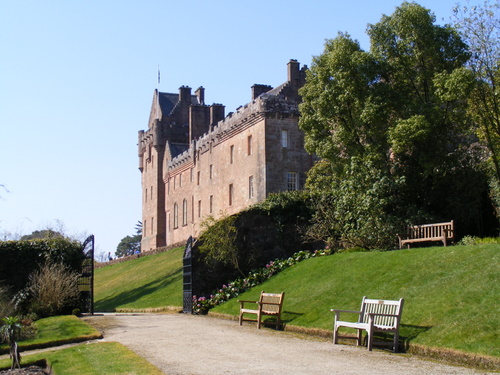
<point x="18" y="259"/>
<point x="273" y="229"/>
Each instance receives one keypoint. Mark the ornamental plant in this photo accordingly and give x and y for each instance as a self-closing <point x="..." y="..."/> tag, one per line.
<point x="202" y="304"/>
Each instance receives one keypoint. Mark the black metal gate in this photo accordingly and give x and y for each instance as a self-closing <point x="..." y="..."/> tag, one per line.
<point x="187" y="263"/>
<point x="86" y="280"/>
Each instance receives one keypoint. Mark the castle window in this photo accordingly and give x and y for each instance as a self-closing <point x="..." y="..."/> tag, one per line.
<point x="176" y="216"/>
<point x="231" y="194"/>
<point x="146" y="194"/>
<point x="231" y="154"/>
<point x="191" y="175"/>
<point x="249" y="145"/>
<point x="145" y="228"/>
<point x="211" y="203"/>
<point x="152" y="225"/>
<point x="199" y="208"/>
<point x="198" y="178"/>
<point x="151" y="192"/>
<point x="180" y="180"/>
<point x="250" y="187"/>
<point x="211" y="170"/>
<point x="284" y="138"/>
<point x="184" y="212"/>
<point x="292" y="181"/>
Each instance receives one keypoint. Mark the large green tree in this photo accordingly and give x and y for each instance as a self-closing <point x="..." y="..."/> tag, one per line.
<point x="479" y="26"/>
<point x="391" y="127"/>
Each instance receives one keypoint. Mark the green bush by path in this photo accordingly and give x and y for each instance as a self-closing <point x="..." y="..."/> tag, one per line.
<point x="149" y="282"/>
<point x="110" y="358"/>
<point x="57" y="330"/>
<point x="451" y="294"/>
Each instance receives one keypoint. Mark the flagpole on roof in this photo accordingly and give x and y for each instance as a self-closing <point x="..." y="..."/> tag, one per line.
<point x="158" y="94"/>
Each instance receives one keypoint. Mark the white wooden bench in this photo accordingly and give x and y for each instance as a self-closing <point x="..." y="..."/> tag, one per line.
<point x="269" y="304"/>
<point x="443" y="232"/>
<point x="375" y="315"/>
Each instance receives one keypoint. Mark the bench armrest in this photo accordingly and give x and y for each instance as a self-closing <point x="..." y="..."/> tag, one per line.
<point x="242" y="302"/>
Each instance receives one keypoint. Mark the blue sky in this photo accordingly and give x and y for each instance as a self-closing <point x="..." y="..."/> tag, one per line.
<point x="77" y="81"/>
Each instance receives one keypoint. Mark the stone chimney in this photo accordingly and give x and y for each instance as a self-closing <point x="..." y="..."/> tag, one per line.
<point x="259" y="89"/>
<point x="294" y="73"/>
<point x="200" y="93"/>
<point x="185" y="94"/>
<point x="216" y="113"/>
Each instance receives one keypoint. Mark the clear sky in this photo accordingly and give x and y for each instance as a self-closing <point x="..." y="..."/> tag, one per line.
<point x="77" y="81"/>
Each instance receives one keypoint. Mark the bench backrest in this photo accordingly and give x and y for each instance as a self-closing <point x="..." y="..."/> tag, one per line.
<point x="271" y="302"/>
<point x="381" y="306"/>
<point x="437" y="230"/>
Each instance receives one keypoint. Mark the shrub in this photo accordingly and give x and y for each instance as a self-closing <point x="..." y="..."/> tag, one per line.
<point x="6" y="306"/>
<point x="52" y="289"/>
<point x="202" y="304"/>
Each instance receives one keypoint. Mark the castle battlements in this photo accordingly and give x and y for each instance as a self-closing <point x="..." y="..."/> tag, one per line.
<point x="196" y="162"/>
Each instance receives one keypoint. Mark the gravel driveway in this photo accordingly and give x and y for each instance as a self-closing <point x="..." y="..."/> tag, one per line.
<point x="189" y="344"/>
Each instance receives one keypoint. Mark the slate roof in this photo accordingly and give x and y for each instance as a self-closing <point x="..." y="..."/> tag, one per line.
<point x="169" y="100"/>
<point x="177" y="148"/>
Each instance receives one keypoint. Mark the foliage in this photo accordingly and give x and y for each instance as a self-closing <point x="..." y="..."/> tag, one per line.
<point x="272" y="229"/>
<point x="202" y="304"/>
<point x="479" y="27"/>
<point x="391" y="127"/>
<point x="53" y="289"/>
<point x="473" y="240"/>
<point x="218" y="241"/>
<point x="6" y="306"/>
<point x="130" y="244"/>
<point x="21" y="258"/>
<point x="41" y="234"/>
<point x="10" y="331"/>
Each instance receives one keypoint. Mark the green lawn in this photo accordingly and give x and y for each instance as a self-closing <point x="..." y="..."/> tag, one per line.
<point x="57" y="330"/>
<point x="108" y="358"/>
<point x="148" y="282"/>
<point x="451" y="294"/>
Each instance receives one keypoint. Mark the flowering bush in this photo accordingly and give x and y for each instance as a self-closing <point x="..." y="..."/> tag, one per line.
<point x="202" y="304"/>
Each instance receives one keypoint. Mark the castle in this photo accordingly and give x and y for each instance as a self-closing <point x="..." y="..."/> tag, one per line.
<point x="196" y="162"/>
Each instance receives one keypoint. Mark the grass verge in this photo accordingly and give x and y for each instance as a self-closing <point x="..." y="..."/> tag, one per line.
<point x="57" y="330"/>
<point x="149" y="282"/>
<point x="109" y="358"/>
<point x="450" y="295"/>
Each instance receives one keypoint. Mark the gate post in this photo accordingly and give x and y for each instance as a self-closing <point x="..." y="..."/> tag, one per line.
<point x="86" y="279"/>
<point x="187" y="268"/>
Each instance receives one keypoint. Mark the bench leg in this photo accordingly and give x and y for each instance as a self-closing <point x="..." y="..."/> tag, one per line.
<point x="360" y="337"/>
<point x="396" y="341"/>
<point x="335" y="334"/>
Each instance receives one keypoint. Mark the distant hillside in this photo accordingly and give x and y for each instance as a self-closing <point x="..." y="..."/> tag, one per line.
<point x="451" y="294"/>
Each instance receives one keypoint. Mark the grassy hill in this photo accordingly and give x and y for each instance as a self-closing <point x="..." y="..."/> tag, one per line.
<point x="150" y="282"/>
<point x="451" y="294"/>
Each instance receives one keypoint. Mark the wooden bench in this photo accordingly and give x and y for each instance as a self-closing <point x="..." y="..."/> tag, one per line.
<point x="268" y="304"/>
<point x="375" y="315"/>
<point x="428" y="232"/>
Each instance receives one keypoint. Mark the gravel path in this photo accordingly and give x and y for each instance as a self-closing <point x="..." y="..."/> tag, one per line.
<point x="189" y="344"/>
